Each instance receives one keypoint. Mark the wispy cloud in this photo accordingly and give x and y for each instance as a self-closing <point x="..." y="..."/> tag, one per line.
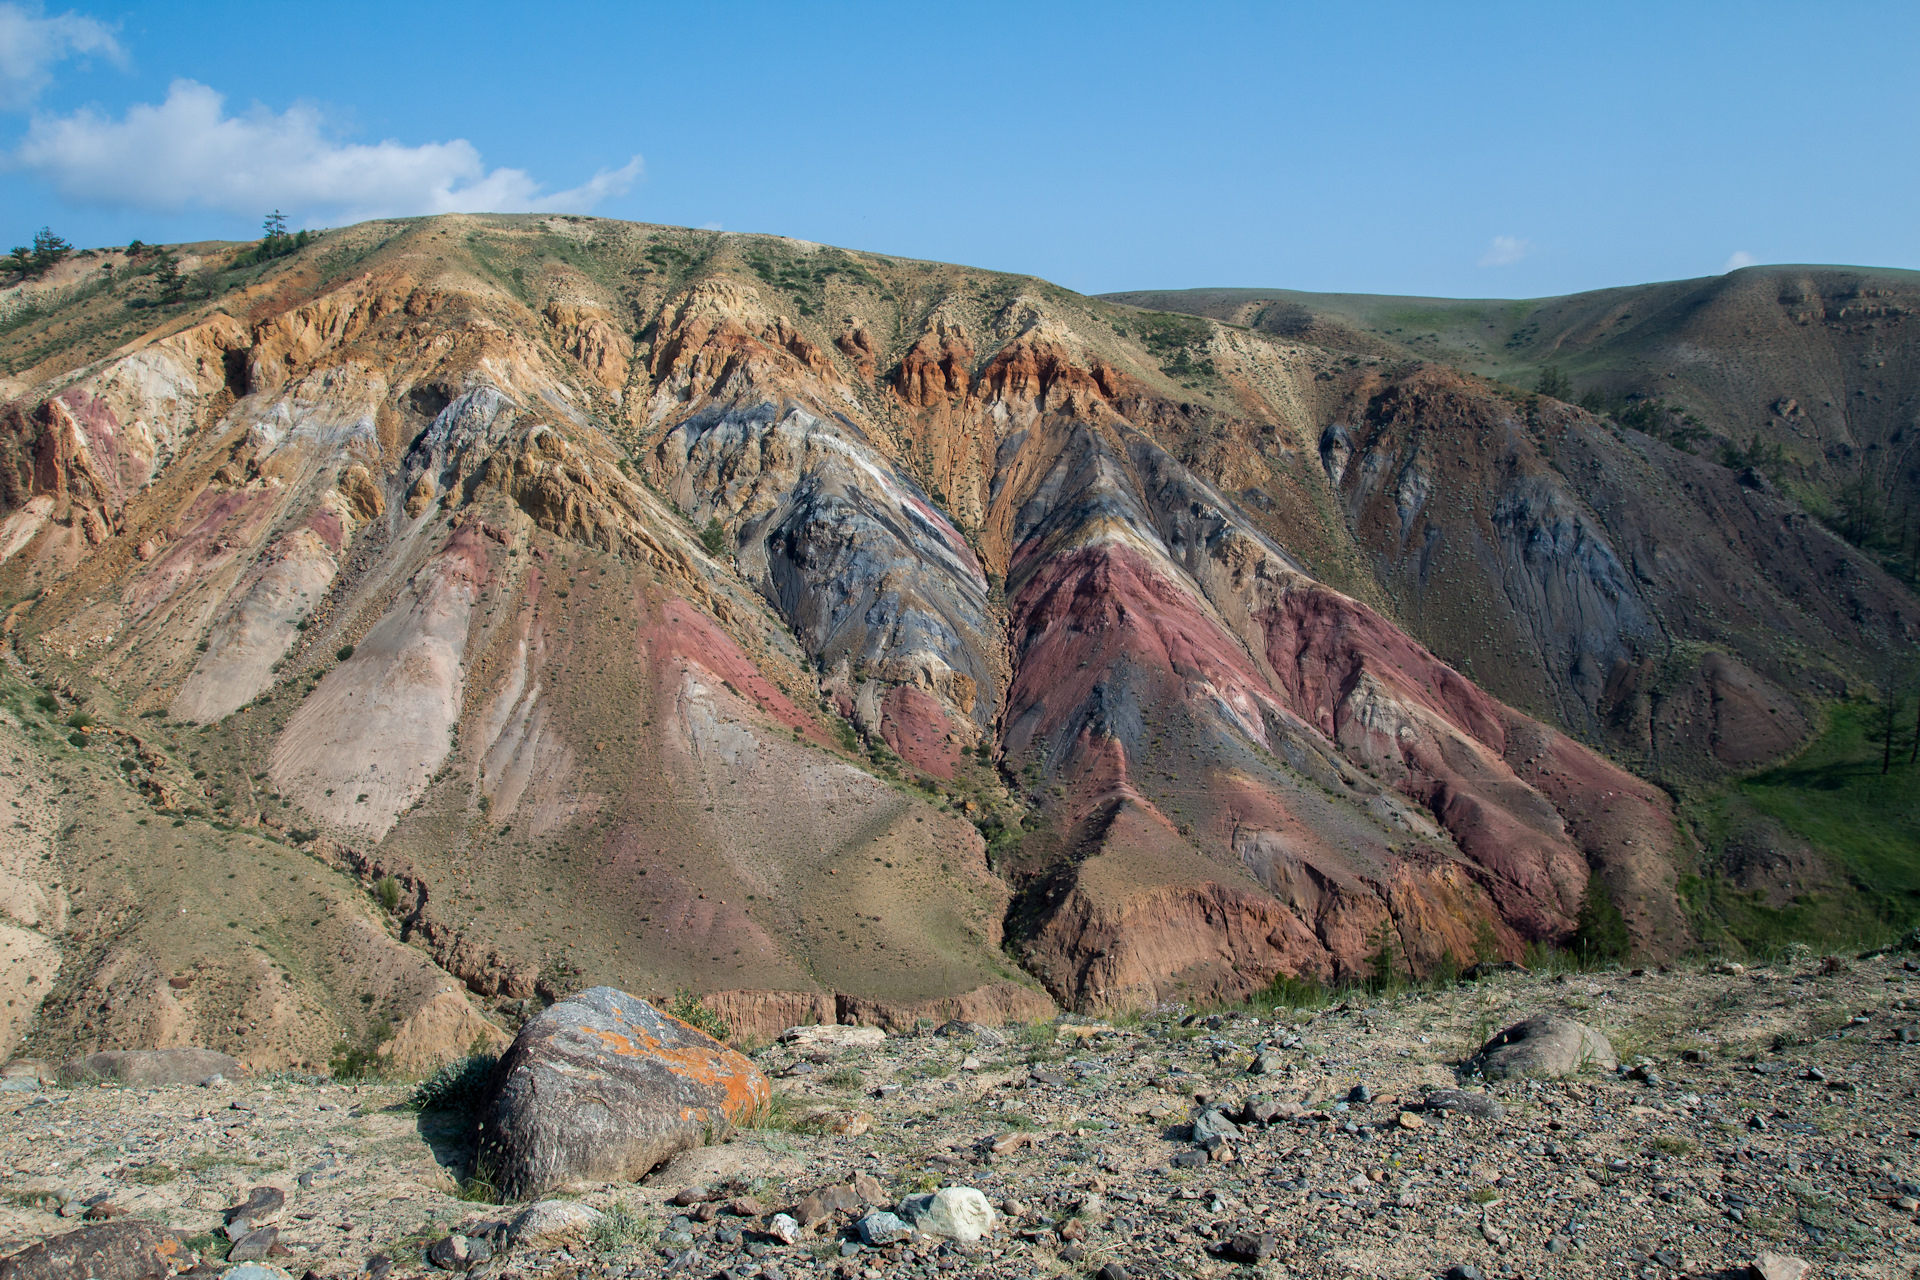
<point x="1740" y="258"/>
<point x="31" y="44"/>
<point x="1504" y="251"/>
<point x="187" y="152"/>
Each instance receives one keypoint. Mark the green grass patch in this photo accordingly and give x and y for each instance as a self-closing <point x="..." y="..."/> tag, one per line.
<point x="1833" y="796"/>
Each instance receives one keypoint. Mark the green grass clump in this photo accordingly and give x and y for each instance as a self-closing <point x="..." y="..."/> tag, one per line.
<point x="843" y="1078"/>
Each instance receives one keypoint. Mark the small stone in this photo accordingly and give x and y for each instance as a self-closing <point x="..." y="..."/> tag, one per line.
<point x="254" y="1245"/>
<point x="553" y="1224"/>
<point x="262" y="1205"/>
<point x="1778" y="1266"/>
<point x="1112" y="1271"/>
<point x="1261" y="1111"/>
<point x="1072" y="1252"/>
<point x="746" y="1207"/>
<point x="783" y="1228"/>
<point x="1465" y="1271"/>
<point x="961" y="1213"/>
<point x="880" y="1227"/>
<point x="1360" y="1093"/>
<point x="1408" y="1120"/>
<point x="1188" y="1159"/>
<point x="1466" y="1102"/>
<point x="255" y="1271"/>
<point x="378" y="1266"/>
<point x="1558" y="1244"/>
<point x="1246" y="1246"/>
<point x="689" y="1195"/>
<point x="1214" y="1124"/>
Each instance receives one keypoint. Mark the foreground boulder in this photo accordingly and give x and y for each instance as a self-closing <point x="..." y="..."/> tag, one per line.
<point x="1546" y="1045"/>
<point x="601" y="1088"/>
<point x="148" y="1067"/>
<point x="111" y="1251"/>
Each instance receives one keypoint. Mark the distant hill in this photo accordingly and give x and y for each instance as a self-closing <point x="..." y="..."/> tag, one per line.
<point x="409" y="627"/>
<point x="1817" y="363"/>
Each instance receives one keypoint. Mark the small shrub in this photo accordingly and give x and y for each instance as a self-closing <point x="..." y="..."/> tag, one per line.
<point x="387" y="890"/>
<point x="455" y="1087"/>
<point x="714" y="537"/>
<point x="346" y="651"/>
<point x="1601" y="932"/>
<point x="686" y="1006"/>
<point x="621" y="1227"/>
<point x="80" y="720"/>
<point x="362" y="1060"/>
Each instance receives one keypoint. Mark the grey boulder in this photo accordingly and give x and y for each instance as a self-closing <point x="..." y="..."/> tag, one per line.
<point x="1544" y="1045"/>
<point x="602" y="1087"/>
<point x="148" y="1067"/>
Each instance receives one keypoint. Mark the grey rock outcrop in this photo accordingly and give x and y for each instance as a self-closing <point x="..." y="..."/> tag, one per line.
<point x="110" y="1251"/>
<point x="154" y="1066"/>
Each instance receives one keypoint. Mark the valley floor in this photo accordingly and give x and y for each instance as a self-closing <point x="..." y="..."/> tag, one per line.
<point x="1780" y="1110"/>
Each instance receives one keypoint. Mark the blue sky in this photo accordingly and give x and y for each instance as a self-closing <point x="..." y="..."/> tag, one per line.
<point x="1464" y="150"/>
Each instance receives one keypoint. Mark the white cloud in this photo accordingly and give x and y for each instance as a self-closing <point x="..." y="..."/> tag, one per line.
<point x="1504" y="251"/>
<point x="31" y="43"/>
<point x="711" y="226"/>
<point x="188" y="152"/>
<point x="1740" y="258"/>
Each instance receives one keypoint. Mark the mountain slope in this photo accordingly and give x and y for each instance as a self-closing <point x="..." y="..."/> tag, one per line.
<point x="838" y="635"/>
<point x="1816" y="363"/>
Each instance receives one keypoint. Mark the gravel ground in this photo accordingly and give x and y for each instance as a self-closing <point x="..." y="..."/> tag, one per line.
<point x="1775" y="1108"/>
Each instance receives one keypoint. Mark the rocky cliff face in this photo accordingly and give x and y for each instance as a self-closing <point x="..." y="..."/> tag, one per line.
<point x="566" y="601"/>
